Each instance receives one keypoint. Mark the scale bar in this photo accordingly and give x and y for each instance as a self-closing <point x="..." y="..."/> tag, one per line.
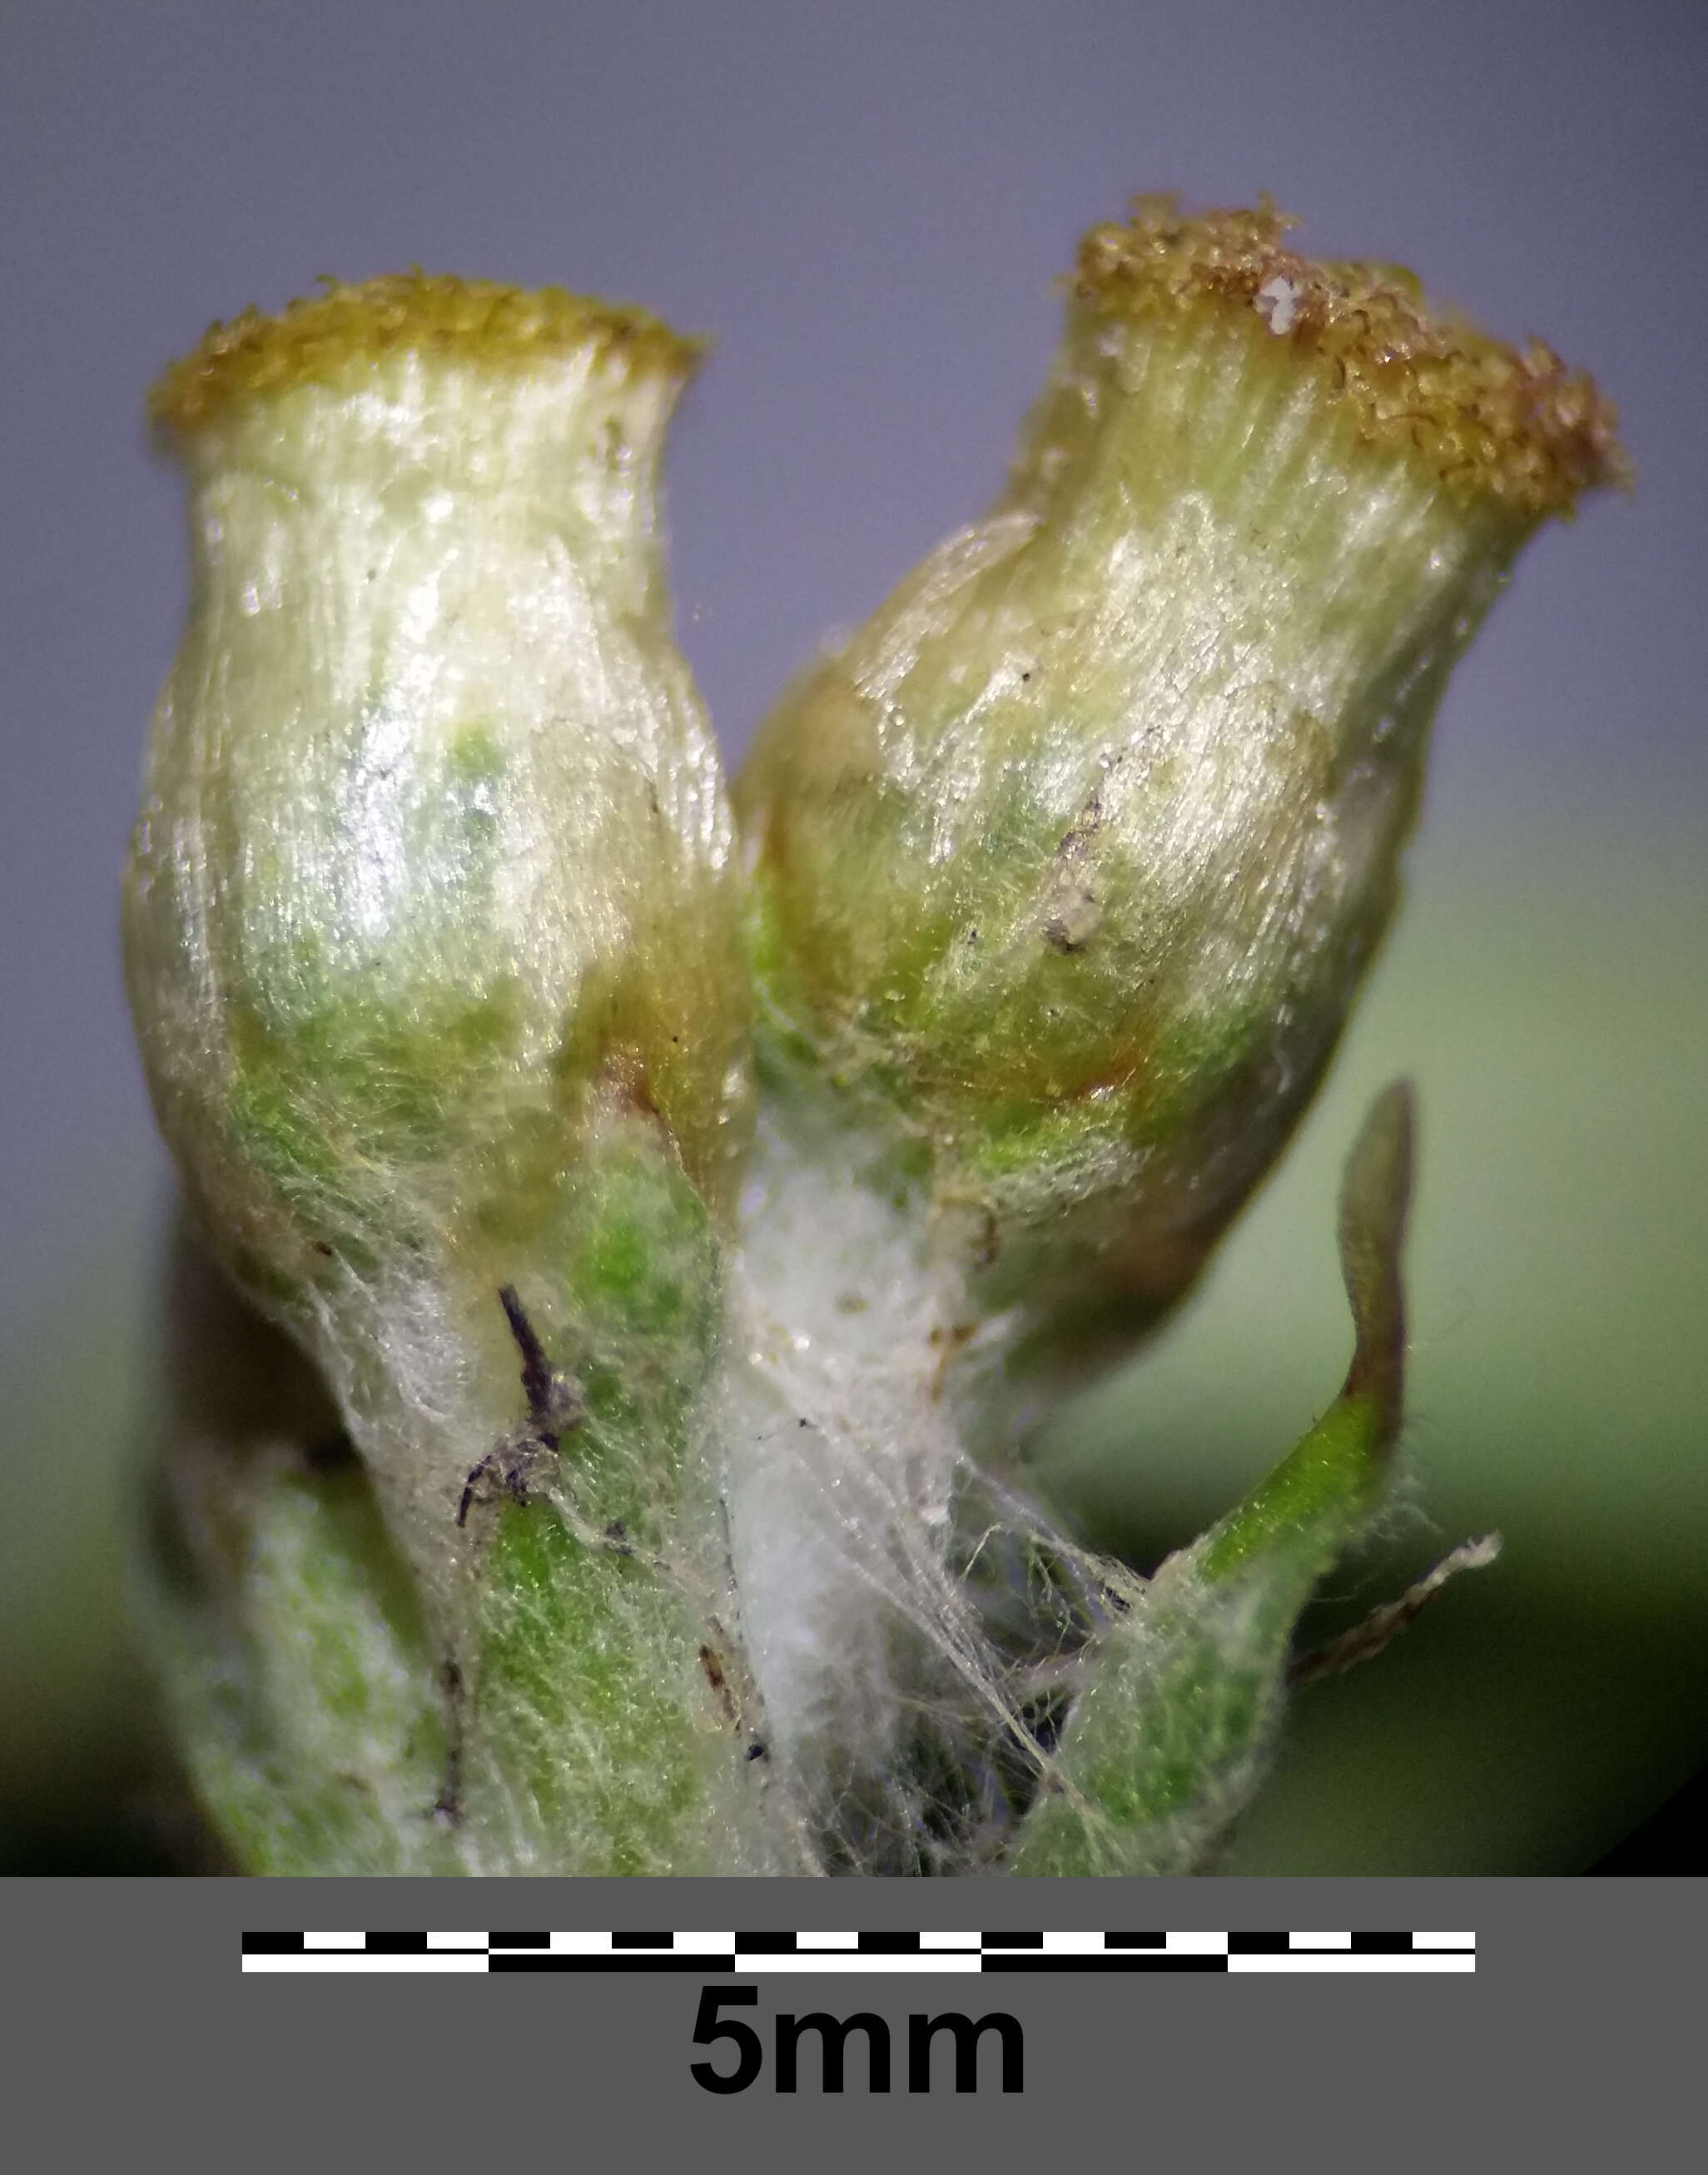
<point x="930" y="1952"/>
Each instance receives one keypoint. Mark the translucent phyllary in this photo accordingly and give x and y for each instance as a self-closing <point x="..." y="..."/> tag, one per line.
<point x="1075" y="855"/>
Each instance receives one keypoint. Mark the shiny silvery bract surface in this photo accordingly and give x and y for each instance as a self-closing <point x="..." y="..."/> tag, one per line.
<point x="434" y="876"/>
<point x="1076" y="853"/>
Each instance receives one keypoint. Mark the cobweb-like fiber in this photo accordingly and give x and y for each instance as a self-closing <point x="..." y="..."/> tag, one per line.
<point x="910" y="1626"/>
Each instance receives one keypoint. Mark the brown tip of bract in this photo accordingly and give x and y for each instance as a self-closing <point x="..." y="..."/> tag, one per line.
<point x="317" y="339"/>
<point x="1513" y="424"/>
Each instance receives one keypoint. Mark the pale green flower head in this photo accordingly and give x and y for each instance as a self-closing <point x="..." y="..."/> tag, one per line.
<point x="431" y="917"/>
<point x="434" y="865"/>
<point x="1078" y="850"/>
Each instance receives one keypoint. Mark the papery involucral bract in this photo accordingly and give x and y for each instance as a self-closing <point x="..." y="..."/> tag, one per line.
<point x="1077" y="852"/>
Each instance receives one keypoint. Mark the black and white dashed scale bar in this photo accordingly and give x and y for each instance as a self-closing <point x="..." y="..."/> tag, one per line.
<point x="908" y="1953"/>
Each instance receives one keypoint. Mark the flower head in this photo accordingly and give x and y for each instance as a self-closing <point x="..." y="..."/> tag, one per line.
<point x="1078" y="850"/>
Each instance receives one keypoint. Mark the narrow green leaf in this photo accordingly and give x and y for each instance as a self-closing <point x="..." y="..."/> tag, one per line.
<point x="1167" y="1741"/>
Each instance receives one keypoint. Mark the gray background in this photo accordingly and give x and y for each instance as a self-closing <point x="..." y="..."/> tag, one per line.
<point x="1570" y="2047"/>
<point x="866" y="207"/>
